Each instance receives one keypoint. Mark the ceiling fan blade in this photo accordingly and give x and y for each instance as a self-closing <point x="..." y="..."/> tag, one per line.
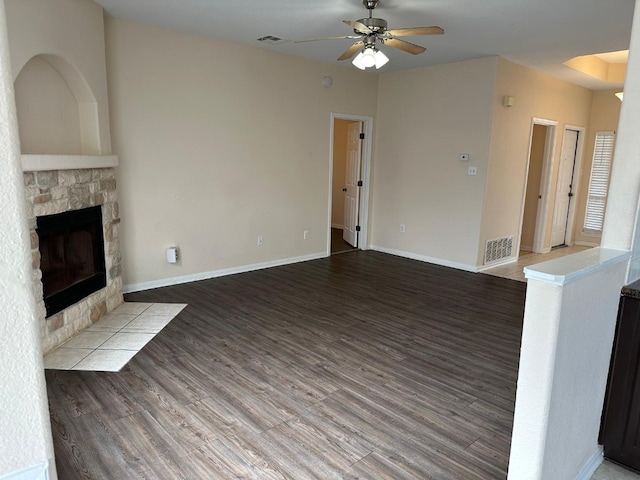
<point x="408" y="32"/>
<point x="328" y="38"/>
<point x="351" y="51"/>
<point x="403" y="45"/>
<point x="359" y="27"/>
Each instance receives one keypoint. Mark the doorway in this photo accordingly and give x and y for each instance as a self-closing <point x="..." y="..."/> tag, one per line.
<point x="535" y="204"/>
<point x="564" y="205"/>
<point x="349" y="182"/>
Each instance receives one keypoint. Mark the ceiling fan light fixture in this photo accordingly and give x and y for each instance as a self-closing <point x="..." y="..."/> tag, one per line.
<point x="357" y="61"/>
<point x="381" y="59"/>
<point x="370" y="57"/>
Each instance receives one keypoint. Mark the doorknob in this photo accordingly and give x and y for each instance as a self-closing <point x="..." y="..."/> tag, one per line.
<point x="344" y="189"/>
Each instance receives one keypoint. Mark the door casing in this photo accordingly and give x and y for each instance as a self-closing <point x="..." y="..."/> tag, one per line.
<point x="545" y="180"/>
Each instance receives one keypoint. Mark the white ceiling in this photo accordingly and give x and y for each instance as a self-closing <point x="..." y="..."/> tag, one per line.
<point x="541" y="34"/>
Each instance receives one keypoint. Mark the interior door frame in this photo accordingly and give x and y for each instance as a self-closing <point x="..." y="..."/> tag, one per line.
<point x="542" y="213"/>
<point x="575" y="188"/>
<point x="365" y="174"/>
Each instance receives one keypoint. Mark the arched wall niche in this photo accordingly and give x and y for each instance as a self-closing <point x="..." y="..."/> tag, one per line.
<point x="57" y="111"/>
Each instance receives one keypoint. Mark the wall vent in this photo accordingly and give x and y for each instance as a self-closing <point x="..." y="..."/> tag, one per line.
<point x="498" y="249"/>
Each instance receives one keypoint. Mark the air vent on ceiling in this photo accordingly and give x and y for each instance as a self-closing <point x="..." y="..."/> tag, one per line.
<point x="271" y="39"/>
<point x="498" y="249"/>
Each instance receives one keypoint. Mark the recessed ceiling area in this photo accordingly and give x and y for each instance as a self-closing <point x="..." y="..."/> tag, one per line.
<point x="609" y="67"/>
<point x="621" y="56"/>
<point x="541" y="34"/>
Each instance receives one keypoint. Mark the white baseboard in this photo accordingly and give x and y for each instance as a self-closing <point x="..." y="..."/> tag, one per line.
<point x="424" y="258"/>
<point x="35" y="472"/>
<point x="592" y="465"/>
<point x="339" y="227"/>
<point x="504" y="261"/>
<point x="166" y="282"/>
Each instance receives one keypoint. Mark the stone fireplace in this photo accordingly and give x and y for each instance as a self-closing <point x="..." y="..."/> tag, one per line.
<point x="51" y="192"/>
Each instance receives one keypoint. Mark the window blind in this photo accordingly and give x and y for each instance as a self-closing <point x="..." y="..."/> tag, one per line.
<point x="599" y="181"/>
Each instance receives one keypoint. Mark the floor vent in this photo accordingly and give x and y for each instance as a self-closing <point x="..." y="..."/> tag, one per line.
<point x="498" y="249"/>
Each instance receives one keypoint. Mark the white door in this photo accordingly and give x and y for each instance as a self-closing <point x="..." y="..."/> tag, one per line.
<point x="352" y="177"/>
<point x="564" y="188"/>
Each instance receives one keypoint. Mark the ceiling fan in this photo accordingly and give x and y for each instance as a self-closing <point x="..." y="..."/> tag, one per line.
<point x="371" y="30"/>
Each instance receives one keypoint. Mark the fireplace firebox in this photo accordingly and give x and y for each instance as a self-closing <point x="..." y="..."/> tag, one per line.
<point x="72" y="257"/>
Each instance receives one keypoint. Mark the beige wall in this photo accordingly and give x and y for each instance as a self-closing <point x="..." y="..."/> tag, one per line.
<point x="70" y="33"/>
<point x="605" y="112"/>
<point x="339" y="170"/>
<point x="536" y="95"/>
<point x="219" y="143"/>
<point x="426" y="118"/>
<point x="533" y="187"/>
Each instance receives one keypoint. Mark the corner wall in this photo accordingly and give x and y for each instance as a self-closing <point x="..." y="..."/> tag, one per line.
<point x="427" y="117"/>
<point x="536" y="95"/>
<point x="220" y="143"/>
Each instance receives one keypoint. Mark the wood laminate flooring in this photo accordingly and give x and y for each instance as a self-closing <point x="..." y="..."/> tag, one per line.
<point x="359" y="366"/>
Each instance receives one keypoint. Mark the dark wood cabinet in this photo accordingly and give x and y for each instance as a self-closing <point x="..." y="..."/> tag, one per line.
<point x="620" y="428"/>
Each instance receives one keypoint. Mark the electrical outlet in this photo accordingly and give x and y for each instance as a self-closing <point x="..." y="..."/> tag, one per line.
<point x="305" y="234"/>
<point x="260" y="241"/>
<point x="473" y="170"/>
<point x="402" y="228"/>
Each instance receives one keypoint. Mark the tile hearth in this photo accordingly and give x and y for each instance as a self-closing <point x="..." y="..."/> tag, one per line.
<point x="110" y="343"/>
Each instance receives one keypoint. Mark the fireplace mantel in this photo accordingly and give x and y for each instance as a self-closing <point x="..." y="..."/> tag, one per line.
<point x="37" y="163"/>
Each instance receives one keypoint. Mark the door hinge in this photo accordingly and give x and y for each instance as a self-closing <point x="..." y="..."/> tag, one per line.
<point x="362" y="136"/>
<point x="359" y="183"/>
<point x="357" y="228"/>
